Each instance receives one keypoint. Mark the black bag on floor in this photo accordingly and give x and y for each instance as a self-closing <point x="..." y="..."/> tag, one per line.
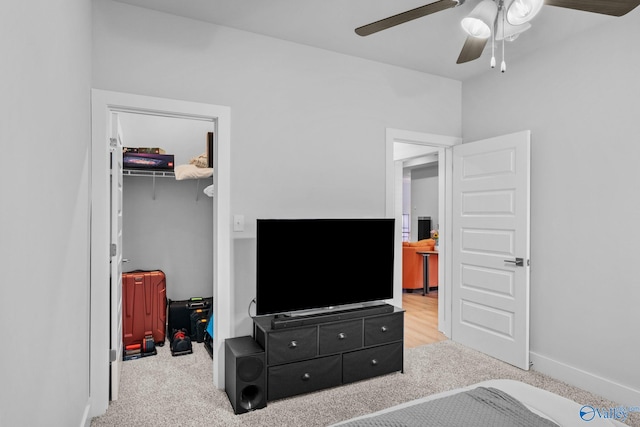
<point x="180" y="313"/>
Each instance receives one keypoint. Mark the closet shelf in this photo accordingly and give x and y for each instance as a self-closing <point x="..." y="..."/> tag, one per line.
<point x="161" y="174"/>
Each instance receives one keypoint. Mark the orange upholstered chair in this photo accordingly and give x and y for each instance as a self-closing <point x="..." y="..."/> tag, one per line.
<point x="412" y="268"/>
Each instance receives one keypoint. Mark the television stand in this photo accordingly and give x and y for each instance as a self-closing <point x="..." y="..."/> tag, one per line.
<point x="327" y="350"/>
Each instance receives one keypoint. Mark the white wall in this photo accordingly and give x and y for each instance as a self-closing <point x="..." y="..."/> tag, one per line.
<point x="580" y="100"/>
<point x="303" y="119"/>
<point x="45" y="82"/>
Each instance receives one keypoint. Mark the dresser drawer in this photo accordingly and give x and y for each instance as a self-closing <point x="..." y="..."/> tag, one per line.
<point x="383" y="329"/>
<point x="292" y="344"/>
<point x="303" y="377"/>
<point x="371" y="362"/>
<point x="340" y="336"/>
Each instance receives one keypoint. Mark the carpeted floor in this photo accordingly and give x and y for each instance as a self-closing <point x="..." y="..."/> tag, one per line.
<point x="163" y="390"/>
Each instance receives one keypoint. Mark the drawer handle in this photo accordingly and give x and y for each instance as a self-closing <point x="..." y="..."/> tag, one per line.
<point x="342" y="336"/>
<point x="306" y="376"/>
<point x="293" y="344"/>
<point x="384" y="329"/>
<point x="374" y="362"/>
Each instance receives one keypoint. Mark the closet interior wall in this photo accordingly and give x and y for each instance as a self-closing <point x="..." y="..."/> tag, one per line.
<point x="168" y="225"/>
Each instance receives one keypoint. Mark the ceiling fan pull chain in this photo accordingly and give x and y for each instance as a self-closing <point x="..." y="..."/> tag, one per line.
<point x="493" y="35"/>
<point x="503" y="65"/>
<point x="493" y="45"/>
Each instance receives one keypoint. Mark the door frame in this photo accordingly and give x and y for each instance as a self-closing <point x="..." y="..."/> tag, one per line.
<point x="103" y="103"/>
<point x="393" y="209"/>
<point x="115" y="282"/>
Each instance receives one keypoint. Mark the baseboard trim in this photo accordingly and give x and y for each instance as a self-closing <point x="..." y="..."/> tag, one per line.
<point x="616" y="392"/>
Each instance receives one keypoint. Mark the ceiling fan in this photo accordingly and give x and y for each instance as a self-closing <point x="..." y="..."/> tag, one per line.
<point x="499" y="19"/>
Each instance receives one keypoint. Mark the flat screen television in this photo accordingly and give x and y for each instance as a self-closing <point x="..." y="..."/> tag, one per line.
<point x="323" y="264"/>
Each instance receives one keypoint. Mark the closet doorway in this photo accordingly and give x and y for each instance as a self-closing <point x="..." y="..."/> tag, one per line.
<point x="106" y="107"/>
<point x="167" y="217"/>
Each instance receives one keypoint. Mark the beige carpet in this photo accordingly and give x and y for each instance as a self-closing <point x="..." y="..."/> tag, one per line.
<point x="163" y="390"/>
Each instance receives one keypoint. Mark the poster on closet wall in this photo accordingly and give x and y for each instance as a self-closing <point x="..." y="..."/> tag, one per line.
<point x="210" y="149"/>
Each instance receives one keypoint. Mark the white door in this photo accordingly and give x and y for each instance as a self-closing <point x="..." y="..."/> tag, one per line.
<point x="490" y="288"/>
<point x="116" y="255"/>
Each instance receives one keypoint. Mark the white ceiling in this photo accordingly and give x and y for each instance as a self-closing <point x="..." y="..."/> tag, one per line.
<point x="430" y="44"/>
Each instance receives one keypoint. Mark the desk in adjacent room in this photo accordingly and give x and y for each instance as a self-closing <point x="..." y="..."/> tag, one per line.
<point x="425" y="269"/>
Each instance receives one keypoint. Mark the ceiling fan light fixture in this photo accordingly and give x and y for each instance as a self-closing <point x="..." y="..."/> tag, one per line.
<point x="476" y="28"/>
<point x="521" y="11"/>
<point x="480" y="21"/>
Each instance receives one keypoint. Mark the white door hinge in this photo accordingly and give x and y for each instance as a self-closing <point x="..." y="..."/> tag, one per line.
<point x="112" y="355"/>
<point x="114" y="249"/>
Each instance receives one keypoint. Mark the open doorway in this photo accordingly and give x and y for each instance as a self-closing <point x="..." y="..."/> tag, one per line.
<point x="420" y="198"/>
<point x="420" y="191"/>
<point x="483" y="158"/>
<point x="104" y="105"/>
<point x="167" y="217"/>
<point x="404" y="147"/>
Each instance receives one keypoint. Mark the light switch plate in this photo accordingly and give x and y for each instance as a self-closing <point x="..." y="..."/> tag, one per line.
<point x="238" y="222"/>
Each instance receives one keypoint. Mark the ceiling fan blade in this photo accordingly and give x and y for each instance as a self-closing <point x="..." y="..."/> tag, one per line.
<point x="471" y="50"/>
<point x="605" y="7"/>
<point x="407" y="16"/>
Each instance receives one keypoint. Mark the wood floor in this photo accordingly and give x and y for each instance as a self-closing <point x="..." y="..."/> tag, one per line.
<point x="421" y="319"/>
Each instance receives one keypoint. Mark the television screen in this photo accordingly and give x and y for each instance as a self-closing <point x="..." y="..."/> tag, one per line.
<point x="306" y="264"/>
<point x="148" y="161"/>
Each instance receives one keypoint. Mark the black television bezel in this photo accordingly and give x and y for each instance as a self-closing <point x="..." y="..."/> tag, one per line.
<point x="340" y="302"/>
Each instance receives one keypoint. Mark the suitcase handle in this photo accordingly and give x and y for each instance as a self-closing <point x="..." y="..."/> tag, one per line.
<point x="197" y="304"/>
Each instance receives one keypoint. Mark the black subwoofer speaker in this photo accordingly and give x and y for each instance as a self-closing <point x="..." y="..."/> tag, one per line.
<point x="245" y="374"/>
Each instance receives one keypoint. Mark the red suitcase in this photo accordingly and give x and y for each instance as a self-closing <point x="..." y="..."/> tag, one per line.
<point x="144" y="306"/>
